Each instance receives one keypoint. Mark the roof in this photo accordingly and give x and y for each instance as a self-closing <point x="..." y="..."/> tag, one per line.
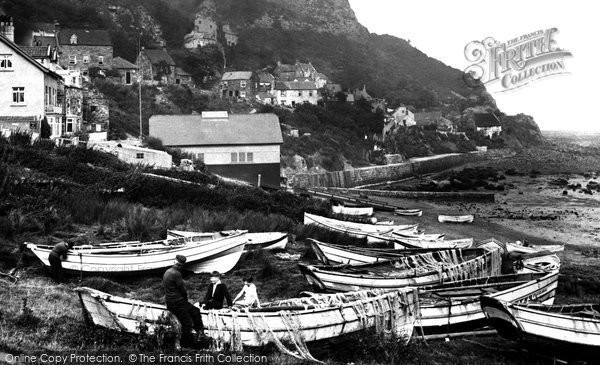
<point x="86" y="37"/>
<point x="264" y="95"/>
<point x="427" y="116"/>
<point x="486" y="120"/>
<point x="237" y="75"/>
<point x="121" y="63"/>
<point x="296" y="85"/>
<point x="19" y="120"/>
<point x="31" y="60"/>
<point x="37" y="51"/>
<point x="181" y="72"/>
<point x="158" y="55"/>
<point x="45" y="41"/>
<point x="238" y="129"/>
<point x="265" y="77"/>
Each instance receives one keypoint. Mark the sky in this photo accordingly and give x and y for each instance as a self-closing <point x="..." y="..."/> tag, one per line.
<point x="442" y="29"/>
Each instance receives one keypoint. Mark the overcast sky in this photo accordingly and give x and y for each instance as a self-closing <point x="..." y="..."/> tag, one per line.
<point x="441" y="29"/>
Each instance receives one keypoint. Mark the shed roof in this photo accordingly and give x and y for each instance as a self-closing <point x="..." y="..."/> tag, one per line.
<point x="237" y="129"/>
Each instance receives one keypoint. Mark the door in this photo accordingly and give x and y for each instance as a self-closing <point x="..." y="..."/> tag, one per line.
<point x="128" y="77"/>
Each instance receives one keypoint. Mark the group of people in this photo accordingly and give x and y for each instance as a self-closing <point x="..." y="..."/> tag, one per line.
<point x="176" y="298"/>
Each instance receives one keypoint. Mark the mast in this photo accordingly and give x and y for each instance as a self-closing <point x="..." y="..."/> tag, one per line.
<point x="140" y="78"/>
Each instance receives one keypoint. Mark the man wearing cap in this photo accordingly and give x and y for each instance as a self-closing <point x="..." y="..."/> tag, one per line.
<point x="56" y="257"/>
<point x="176" y="298"/>
<point x="217" y="293"/>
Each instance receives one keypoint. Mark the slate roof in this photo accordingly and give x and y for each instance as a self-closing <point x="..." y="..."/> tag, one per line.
<point x="427" y="117"/>
<point x="158" y="55"/>
<point x="486" y="120"/>
<point x="45" y="41"/>
<point x="265" y="77"/>
<point x="237" y="75"/>
<point x="31" y="60"/>
<point x="296" y="85"/>
<point x="121" y="63"/>
<point x="85" y="37"/>
<point x="37" y="51"/>
<point x="238" y="129"/>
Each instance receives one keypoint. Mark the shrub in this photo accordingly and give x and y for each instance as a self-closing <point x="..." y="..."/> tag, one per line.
<point x="20" y="138"/>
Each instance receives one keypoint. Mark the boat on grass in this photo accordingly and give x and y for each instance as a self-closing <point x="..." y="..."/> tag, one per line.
<point x="455" y="218"/>
<point x="206" y="253"/>
<point x="353" y="211"/>
<point x="454" y="308"/>
<point x="359" y="230"/>
<point x="440" y="244"/>
<point x="422" y="269"/>
<point x="409" y="212"/>
<point x="254" y="241"/>
<point x="572" y="329"/>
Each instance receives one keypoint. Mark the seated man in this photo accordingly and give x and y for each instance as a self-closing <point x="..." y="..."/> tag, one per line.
<point x="247" y="297"/>
<point x="217" y="293"/>
<point x="176" y="298"/>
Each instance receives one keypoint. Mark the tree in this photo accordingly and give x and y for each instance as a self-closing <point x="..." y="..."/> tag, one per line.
<point x="45" y="130"/>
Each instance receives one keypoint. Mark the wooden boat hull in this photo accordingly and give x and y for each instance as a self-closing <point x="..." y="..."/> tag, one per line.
<point x="254" y="241"/>
<point x="353" y="211"/>
<point x="220" y="254"/>
<point x="397" y="308"/>
<point x="409" y="212"/>
<point x="403" y="243"/>
<point x="402" y="235"/>
<point x="551" y="326"/>
<point x="514" y="247"/>
<point x="546" y="263"/>
<point x="455" y="218"/>
<point x="359" y="230"/>
<point x="344" y="278"/>
<point x="455" y="307"/>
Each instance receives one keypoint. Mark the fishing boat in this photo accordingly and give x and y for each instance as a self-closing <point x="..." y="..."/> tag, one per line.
<point x="409" y="212"/>
<point x="518" y="247"/>
<point x="537" y="263"/>
<point x="354" y="211"/>
<point x="332" y="254"/>
<point x="206" y="253"/>
<point x="404" y="243"/>
<point x="454" y="308"/>
<point x="359" y="230"/>
<point x="422" y="269"/>
<point x="254" y="241"/>
<point x="417" y="236"/>
<point x="573" y="329"/>
<point x="455" y="218"/>
<point x="316" y="317"/>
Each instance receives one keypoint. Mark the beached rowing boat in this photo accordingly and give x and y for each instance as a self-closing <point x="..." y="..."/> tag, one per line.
<point x="254" y="241"/>
<point x="359" y="230"/>
<point x="422" y="269"/>
<point x="409" y="212"/>
<point x="403" y="243"/>
<point x="455" y="218"/>
<point x="319" y="316"/>
<point x="455" y="308"/>
<point x="572" y="328"/>
<point x="518" y="247"/>
<point x="417" y="236"/>
<point x="354" y="211"/>
<point x="539" y="263"/>
<point x="214" y="252"/>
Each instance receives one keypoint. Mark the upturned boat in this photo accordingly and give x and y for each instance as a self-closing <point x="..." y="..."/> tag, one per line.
<point x="213" y="252"/>
<point x="359" y="230"/>
<point x="254" y="241"/>
<point x="304" y="319"/>
<point x="353" y="211"/>
<point x="455" y="218"/>
<point x="454" y="308"/>
<point x="417" y="270"/>
<point x="573" y="330"/>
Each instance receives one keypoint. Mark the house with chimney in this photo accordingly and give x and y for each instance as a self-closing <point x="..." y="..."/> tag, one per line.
<point x="29" y="91"/>
<point x="156" y="66"/>
<point x="245" y="147"/>
<point x="238" y="85"/>
<point x="427" y="118"/>
<point x="82" y="49"/>
<point x="292" y="93"/>
<point x="488" y="124"/>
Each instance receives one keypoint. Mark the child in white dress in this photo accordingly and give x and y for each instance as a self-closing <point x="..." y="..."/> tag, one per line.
<point x="247" y="297"/>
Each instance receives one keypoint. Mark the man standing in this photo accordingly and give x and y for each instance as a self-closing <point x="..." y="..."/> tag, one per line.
<point x="56" y="257"/>
<point x="176" y="298"/>
<point x="217" y="292"/>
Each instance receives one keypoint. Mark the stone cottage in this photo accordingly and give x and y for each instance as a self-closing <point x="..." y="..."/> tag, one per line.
<point x="82" y="49"/>
<point x="156" y="66"/>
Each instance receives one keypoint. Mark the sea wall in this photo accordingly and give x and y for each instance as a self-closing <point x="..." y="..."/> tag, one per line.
<point x="421" y="195"/>
<point x="378" y="174"/>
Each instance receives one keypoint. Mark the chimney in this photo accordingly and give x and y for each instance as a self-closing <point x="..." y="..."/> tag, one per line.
<point x="7" y="28"/>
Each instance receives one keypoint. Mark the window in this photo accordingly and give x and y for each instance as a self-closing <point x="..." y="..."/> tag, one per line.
<point x="98" y="127"/>
<point x="242" y="83"/>
<point x="5" y="63"/>
<point x="86" y="59"/>
<point x="299" y="93"/>
<point x="100" y="60"/>
<point x="73" y="39"/>
<point x="72" y="60"/>
<point x="242" y="157"/>
<point x="243" y="94"/>
<point x="233" y="156"/>
<point x="282" y="93"/>
<point x="249" y="157"/>
<point x="70" y="125"/>
<point x="310" y="93"/>
<point x="139" y="155"/>
<point x="18" y="95"/>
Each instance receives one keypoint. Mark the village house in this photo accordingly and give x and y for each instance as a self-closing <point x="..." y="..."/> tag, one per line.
<point x="362" y="94"/>
<point x="292" y="93"/>
<point x="203" y="34"/>
<point x="237" y="84"/>
<point x="47" y="56"/>
<point x="183" y="77"/>
<point x="265" y="82"/>
<point x="427" y="118"/>
<point x="126" y="70"/>
<point x="29" y="91"/>
<point x="488" y="124"/>
<point x="156" y="66"/>
<point x="82" y="49"/>
<point x="96" y="114"/>
<point x="231" y="37"/>
<point x="240" y="146"/>
<point x="403" y="116"/>
<point x="73" y="101"/>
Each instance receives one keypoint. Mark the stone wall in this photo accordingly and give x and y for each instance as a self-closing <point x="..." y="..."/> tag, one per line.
<point x="377" y="174"/>
<point x="93" y="52"/>
<point x="423" y="195"/>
